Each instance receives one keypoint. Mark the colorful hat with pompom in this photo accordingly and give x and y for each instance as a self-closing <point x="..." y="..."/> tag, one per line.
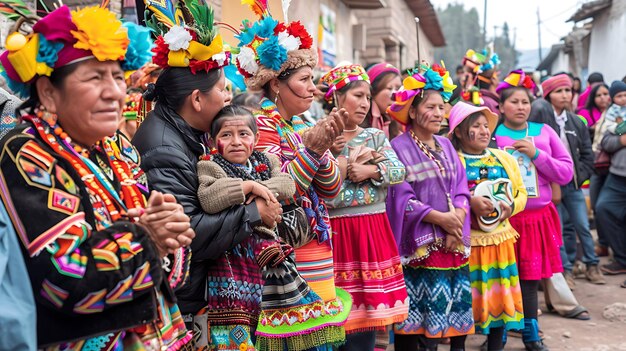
<point x="485" y="61"/>
<point x="341" y="76"/>
<point x="187" y="36"/>
<point x="269" y="47"/>
<point x="424" y="77"/>
<point x="64" y="37"/>
<point x="517" y="78"/>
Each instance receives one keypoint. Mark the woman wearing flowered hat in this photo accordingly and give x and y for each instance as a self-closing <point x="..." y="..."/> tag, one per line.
<point x="367" y="264"/>
<point x="543" y="159"/>
<point x="483" y="77"/>
<point x="225" y="284"/>
<point x="385" y="80"/>
<point x="278" y="58"/>
<point x="428" y="213"/>
<point x="95" y="248"/>
<point x="498" y="193"/>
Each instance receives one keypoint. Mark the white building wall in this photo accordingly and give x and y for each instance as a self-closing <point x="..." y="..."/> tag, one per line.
<point x="607" y="49"/>
<point x="560" y="63"/>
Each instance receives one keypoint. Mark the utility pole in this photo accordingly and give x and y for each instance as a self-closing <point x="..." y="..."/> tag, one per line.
<point x="485" y="25"/>
<point x="495" y="36"/>
<point x="539" y="33"/>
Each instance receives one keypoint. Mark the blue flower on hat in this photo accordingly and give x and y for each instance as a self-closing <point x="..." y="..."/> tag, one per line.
<point x="139" y="49"/>
<point x="263" y="29"/>
<point x="433" y="80"/>
<point x="48" y="51"/>
<point x="271" y="54"/>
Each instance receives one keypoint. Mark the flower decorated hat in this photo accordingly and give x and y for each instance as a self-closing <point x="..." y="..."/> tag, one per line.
<point x="482" y="63"/>
<point x="38" y="46"/>
<point x="424" y="77"/>
<point x="341" y="76"/>
<point x="187" y="35"/>
<point x="517" y="78"/>
<point x="269" y="47"/>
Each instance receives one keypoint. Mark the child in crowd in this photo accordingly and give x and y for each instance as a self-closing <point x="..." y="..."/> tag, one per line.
<point x="236" y="174"/>
<point x="498" y="193"/>
<point x="616" y="113"/>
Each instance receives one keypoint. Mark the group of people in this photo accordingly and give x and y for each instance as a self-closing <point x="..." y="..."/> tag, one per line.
<point x="413" y="207"/>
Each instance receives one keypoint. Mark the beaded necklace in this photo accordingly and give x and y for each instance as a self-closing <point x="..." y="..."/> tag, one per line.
<point x="442" y="169"/>
<point x="91" y="175"/>
<point x="130" y="193"/>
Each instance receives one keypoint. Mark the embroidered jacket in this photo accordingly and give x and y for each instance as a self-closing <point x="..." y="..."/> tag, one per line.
<point x="90" y="275"/>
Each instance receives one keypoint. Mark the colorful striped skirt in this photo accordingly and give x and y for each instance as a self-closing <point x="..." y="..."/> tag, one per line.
<point x="537" y="249"/>
<point x="315" y="264"/>
<point x="368" y="266"/>
<point x="496" y="293"/>
<point x="440" y="302"/>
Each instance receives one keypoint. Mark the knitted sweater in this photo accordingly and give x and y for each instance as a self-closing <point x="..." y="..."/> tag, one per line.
<point x="218" y="192"/>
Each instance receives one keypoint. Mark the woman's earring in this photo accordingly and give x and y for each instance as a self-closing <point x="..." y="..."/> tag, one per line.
<point x="276" y="97"/>
<point x="48" y="117"/>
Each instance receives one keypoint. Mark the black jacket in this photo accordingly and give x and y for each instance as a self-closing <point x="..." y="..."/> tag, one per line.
<point x="170" y="150"/>
<point x="577" y="136"/>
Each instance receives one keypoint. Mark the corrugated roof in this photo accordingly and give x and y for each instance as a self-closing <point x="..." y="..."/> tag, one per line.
<point x="590" y="9"/>
<point x="547" y="61"/>
<point x="365" y="4"/>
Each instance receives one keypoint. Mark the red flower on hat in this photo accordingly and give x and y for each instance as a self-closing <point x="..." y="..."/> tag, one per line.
<point x="297" y="30"/>
<point x="207" y="65"/>
<point x="161" y="50"/>
<point x="438" y="69"/>
<point x="280" y="27"/>
<point x="528" y="82"/>
<point x="465" y="95"/>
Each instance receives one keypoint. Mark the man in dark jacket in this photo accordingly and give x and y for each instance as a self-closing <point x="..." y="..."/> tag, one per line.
<point x="553" y="110"/>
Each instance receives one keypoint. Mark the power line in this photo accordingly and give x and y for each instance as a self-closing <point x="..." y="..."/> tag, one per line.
<point x="559" y="14"/>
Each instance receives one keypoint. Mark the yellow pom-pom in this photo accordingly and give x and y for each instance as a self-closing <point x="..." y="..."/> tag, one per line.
<point x="15" y="41"/>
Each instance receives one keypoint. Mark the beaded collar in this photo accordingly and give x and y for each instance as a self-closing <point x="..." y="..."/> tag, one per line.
<point x="92" y="175"/>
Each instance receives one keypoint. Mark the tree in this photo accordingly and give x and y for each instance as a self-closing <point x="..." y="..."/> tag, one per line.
<point x="463" y="31"/>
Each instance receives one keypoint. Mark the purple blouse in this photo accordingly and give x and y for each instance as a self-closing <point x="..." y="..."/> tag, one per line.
<point x="422" y="191"/>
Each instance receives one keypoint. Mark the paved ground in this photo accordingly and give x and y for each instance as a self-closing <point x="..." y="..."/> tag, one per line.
<point x="597" y="334"/>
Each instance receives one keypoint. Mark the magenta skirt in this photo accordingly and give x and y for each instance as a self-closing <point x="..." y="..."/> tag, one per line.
<point x="537" y="249"/>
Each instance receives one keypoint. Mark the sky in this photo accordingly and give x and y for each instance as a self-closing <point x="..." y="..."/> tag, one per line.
<point x="522" y="15"/>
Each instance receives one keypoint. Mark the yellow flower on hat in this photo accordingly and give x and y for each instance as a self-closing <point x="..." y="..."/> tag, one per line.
<point x="100" y="32"/>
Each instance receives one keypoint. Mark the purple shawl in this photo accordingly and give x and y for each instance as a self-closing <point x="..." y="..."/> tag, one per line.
<point x="422" y="191"/>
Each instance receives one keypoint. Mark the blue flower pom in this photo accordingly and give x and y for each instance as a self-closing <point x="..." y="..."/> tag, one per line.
<point x="433" y="80"/>
<point x="263" y="29"/>
<point x="139" y="49"/>
<point x="48" y="51"/>
<point x="271" y="54"/>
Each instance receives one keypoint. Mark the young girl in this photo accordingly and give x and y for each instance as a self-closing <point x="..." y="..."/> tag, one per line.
<point x="541" y="149"/>
<point x="285" y="309"/>
<point x="498" y="193"/>
<point x="367" y="264"/>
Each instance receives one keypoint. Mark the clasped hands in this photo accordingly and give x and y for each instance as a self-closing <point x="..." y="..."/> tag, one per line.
<point x="166" y="222"/>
